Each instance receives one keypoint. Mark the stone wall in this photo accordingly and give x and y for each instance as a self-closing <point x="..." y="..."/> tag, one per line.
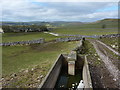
<point x="110" y="35"/>
<point x="92" y="36"/>
<point x="78" y="35"/>
<point x="41" y="40"/>
<point x="68" y="39"/>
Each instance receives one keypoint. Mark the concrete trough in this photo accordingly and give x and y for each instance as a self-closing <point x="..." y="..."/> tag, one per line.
<point x="61" y="63"/>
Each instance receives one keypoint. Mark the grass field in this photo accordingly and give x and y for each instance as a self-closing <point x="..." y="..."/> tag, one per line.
<point x="85" y="31"/>
<point x="16" y="58"/>
<point x="12" y="37"/>
<point x="95" y="28"/>
<point x="111" y="27"/>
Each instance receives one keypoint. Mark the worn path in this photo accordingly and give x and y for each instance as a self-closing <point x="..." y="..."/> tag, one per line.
<point x="117" y="53"/>
<point x="103" y="54"/>
<point x="54" y="34"/>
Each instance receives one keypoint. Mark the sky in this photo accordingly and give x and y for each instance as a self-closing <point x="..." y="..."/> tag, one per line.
<point x="42" y="10"/>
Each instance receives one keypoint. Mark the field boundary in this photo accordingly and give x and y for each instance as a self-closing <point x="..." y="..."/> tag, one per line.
<point x="41" y="40"/>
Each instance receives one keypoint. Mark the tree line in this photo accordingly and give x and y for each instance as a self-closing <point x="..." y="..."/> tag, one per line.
<point x="24" y="28"/>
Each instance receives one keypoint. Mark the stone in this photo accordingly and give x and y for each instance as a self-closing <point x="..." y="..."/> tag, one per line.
<point x="32" y="69"/>
<point x="114" y="79"/>
<point x="41" y="76"/>
<point x="26" y="71"/>
<point x="22" y="42"/>
<point x="73" y="84"/>
<point x="113" y="46"/>
<point x="14" y="75"/>
<point x="99" y="59"/>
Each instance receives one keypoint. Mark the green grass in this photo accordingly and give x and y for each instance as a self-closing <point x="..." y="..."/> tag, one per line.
<point x="89" y="29"/>
<point x="111" y="41"/>
<point x="93" y="58"/>
<point x="16" y="58"/>
<point x="73" y="28"/>
<point x="12" y="37"/>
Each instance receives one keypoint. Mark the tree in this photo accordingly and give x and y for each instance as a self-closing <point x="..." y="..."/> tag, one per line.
<point x="103" y="26"/>
<point x="24" y="28"/>
<point x="44" y="28"/>
<point x="7" y="28"/>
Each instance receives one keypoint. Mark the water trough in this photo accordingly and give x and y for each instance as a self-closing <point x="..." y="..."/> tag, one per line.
<point x="69" y="71"/>
<point x="65" y="74"/>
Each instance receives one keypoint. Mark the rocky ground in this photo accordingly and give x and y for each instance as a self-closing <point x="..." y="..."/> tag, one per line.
<point x="29" y="78"/>
<point x="107" y="72"/>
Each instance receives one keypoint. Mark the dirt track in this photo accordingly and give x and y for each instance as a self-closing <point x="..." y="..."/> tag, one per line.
<point x="117" y="53"/>
<point x="110" y="64"/>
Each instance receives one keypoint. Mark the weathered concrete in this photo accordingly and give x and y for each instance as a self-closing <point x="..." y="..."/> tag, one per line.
<point x="71" y="62"/>
<point x="52" y="76"/>
<point x="72" y="57"/>
<point x="86" y="75"/>
<point x="71" y="67"/>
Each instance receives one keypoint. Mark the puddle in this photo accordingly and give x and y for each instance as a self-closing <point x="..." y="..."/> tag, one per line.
<point x="68" y="81"/>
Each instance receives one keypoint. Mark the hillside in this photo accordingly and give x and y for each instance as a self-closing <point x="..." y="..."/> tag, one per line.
<point x="54" y="23"/>
<point x="64" y="23"/>
<point x="93" y="28"/>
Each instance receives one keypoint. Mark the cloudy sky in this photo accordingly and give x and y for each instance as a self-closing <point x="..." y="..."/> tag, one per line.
<point x="36" y="10"/>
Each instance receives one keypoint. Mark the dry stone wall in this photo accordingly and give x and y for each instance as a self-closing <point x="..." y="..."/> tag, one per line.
<point x="110" y="35"/>
<point x="41" y="40"/>
<point x="68" y="39"/>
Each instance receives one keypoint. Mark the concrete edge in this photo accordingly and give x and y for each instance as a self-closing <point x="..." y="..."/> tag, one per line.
<point x="86" y="75"/>
<point x="46" y="77"/>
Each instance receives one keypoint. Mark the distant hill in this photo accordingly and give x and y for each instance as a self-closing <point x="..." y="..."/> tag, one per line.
<point x="25" y="23"/>
<point x="64" y="23"/>
<point x="54" y="23"/>
<point x="107" y="21"/>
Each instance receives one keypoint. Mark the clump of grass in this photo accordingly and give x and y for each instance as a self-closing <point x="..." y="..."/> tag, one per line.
<point x="111" y="41"/>
<point x="92" y="56"/>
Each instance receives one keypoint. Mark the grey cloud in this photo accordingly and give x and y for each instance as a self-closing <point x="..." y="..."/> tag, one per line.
<point x="27" y="11"/>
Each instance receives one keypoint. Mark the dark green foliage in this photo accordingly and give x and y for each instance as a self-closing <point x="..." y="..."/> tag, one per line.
<point x="83" y="49"/>
<point x="103" y="26"/>
<point x="24" y="28"/>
